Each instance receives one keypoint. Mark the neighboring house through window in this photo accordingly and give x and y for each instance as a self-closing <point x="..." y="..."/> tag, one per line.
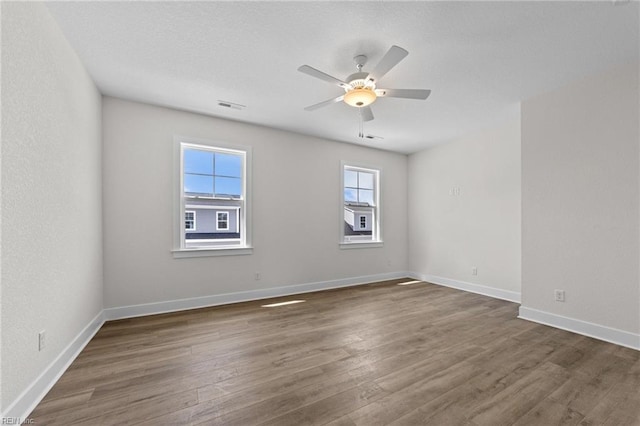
<point x="361" y="204"/>
<point x="190" y="220"/>
<point x="214" y="187"/>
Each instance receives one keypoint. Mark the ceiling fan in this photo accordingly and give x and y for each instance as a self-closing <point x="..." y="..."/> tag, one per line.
<point x="360" y="87"/>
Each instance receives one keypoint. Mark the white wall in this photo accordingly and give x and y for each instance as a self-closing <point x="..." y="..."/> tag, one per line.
<point x="51" y="195"/>
<point x="296" y="209"/>
<point x="580" y="194"/>
<point x="480" y="226"/>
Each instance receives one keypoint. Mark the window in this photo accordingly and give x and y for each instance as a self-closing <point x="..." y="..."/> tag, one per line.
<point x="212" y="184"/>
<point x="222" y="222"/>
<point x="190" y="221"/>
<point x="360" y="219"/>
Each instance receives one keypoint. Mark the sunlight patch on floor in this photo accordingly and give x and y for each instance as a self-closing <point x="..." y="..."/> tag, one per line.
<point x="290" y="302"/>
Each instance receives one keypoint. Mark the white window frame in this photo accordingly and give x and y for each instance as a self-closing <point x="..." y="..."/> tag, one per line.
<point x="376" y="223"/>
<point x="218" y="220"/>
<point x="193" y="228"/>
<point x="179" y="205"/>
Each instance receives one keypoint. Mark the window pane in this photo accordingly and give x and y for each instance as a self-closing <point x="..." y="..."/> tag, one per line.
<point x="351" y="178"/>
<point x="350" y="195"/>
<point x="366" y="180"/>
<point x="365" y="196"/>
<point x="198" y="184"/>
<point x="197" y="161"/>
<point x="228" y="165"/>
<point x="228" y="186"/>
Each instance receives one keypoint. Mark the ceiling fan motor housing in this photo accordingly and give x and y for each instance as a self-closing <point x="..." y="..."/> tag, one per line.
<point x="359" y="80"/>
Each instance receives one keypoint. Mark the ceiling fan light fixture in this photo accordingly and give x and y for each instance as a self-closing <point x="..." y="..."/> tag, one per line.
<point x="360" y="97"/>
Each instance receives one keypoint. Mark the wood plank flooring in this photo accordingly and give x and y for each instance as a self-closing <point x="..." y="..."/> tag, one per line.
<point x="378" y="354"/>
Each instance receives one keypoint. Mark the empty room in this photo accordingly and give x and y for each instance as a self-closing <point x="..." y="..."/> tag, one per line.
<point x="324" y="213"/>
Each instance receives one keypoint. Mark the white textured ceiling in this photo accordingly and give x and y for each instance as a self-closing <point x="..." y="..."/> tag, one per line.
<point x="478" y="58"/>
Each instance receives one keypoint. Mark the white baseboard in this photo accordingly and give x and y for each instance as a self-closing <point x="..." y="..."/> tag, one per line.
<point x="24" y="404"/>
<point x="242" y="296"/>
<point x="597" y="331"/>
<point x="496" y="293"/>
<point x="29" y="399"/>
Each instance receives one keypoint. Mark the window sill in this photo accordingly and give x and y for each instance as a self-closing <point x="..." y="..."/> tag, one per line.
<point x="361" y="244"/>
<point x="211" y="252"/>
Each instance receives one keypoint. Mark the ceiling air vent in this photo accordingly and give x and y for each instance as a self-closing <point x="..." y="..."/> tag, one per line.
<point x="232" y="105"/>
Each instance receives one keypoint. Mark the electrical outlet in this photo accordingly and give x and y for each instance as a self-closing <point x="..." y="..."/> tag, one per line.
<point x="474" y="271"/>
<point x="41" y="341"/>
<point x="258" y="276"/>
<point x="559" y="295"/>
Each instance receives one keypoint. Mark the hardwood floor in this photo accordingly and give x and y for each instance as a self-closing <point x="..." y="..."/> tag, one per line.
<point x="378" y="354"/>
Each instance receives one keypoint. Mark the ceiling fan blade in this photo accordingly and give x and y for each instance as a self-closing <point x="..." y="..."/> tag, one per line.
<point x="403" y="93"/>
<point x="366" y="113"/>
<point x="306" y="69"/>
<point x="393" y="56"/>
<point x="325" y="103"/>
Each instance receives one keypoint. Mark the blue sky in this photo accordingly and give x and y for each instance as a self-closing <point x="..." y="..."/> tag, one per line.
<point x="207" y="172"/>
<point x="215" y="173"/>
